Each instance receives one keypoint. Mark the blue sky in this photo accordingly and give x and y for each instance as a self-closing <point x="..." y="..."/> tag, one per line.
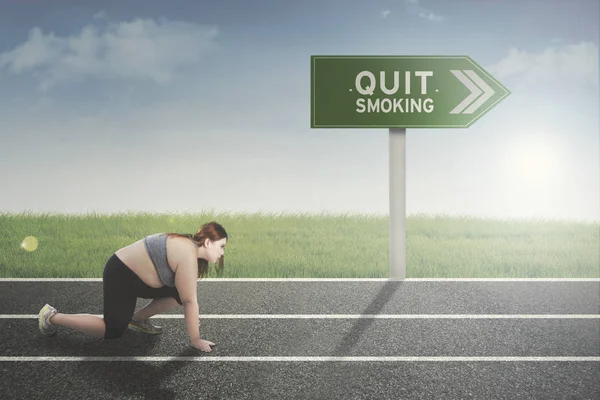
<point x="186" y="105"/>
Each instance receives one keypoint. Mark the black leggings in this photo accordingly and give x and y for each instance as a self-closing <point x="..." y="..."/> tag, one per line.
<point x="122" y="287"/>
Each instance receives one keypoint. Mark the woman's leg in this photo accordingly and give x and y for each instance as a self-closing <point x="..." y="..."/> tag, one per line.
<point x="156" y="306"/>
<point x="84" y="323"/>
<point x="119" y="297"/>
<point x="119" y="304"/>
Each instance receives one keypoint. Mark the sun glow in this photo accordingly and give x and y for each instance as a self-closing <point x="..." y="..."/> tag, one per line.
<point x="536" y="159"/>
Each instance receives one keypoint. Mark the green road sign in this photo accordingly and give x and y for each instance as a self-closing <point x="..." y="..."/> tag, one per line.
<point x="400" y="91"/>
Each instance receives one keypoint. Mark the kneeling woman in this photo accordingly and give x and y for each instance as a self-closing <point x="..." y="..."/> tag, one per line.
<point x="164" y="267"/>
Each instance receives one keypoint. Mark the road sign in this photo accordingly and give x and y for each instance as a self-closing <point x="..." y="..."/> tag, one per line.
<point x="400" y="91"/>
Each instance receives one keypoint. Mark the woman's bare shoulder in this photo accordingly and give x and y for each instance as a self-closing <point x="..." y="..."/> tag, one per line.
<point x="179" y="242"/>
<point x="180" y="249"/>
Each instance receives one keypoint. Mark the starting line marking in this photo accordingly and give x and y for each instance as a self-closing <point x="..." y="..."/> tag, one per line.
<point x="302" y="359"/>
<point x="328" y="280"/>
<point x="351" y="316"/>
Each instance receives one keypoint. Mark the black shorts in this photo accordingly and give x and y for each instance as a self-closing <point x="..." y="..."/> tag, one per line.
<point x="122" y="287"/>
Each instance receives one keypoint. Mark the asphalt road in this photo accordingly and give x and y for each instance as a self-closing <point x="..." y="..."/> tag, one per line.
<point x="412" y="320"/>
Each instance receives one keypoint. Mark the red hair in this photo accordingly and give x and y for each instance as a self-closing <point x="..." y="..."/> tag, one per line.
<point x="212" y="231"/>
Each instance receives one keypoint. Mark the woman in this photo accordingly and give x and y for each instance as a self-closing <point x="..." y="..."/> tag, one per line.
<point x="164" y="267"/>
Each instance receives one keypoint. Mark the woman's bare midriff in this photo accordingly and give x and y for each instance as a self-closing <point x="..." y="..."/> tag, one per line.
<point x="137" y="259"/>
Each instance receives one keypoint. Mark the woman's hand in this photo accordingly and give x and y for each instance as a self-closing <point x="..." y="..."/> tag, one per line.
<point x="203" y="345"/>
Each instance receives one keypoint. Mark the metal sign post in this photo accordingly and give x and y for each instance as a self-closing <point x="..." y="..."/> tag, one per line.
<point x="397" y="203"/>
<point x="399" y="92"/>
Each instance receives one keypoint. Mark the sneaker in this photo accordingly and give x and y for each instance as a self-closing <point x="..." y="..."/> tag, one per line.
<point x="44" y="320"/>
<point x="145" y="326"/>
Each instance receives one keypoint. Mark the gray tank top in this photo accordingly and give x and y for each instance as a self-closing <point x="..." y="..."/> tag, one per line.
<point x="156" y="246"/>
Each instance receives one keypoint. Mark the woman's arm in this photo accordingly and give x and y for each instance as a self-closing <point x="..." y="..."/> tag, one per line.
<point x="186" y="280"/>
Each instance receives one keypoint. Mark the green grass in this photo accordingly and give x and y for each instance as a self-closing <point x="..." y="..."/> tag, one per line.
<point x="315" y="246"/>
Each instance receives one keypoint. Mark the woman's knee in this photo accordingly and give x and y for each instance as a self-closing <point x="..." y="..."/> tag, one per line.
<point x="115" y="330"/>
<point x="177" y="300"/>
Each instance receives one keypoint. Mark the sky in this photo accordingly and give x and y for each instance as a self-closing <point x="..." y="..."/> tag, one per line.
<point x="185" y="106"/>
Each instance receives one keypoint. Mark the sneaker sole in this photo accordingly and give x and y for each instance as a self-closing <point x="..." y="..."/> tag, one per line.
<point x="138" y="329"/>
<point x="41" y="322"/>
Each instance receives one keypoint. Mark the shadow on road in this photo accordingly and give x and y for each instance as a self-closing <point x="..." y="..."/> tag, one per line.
<point x="350" y="340"/>
<point x="361" y="325"/>
<point x="137" y="379"/>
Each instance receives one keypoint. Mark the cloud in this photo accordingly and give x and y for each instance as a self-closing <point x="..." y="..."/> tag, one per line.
<point x="385" y="13"/>
<point x="571" y="64"/>
<point x="415" y="7"/>
<point x="428" y="15"/>
<point x="99" y="15"/>
<point x="136" y="49"/>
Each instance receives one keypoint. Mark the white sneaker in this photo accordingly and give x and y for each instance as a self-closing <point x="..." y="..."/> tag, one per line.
<point x="45" y="326"/>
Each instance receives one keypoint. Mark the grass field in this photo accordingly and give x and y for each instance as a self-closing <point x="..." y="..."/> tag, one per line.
<point x="312" y="246"/>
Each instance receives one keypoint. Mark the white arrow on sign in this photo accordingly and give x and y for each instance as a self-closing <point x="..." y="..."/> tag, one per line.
<point x="475" y="89"/>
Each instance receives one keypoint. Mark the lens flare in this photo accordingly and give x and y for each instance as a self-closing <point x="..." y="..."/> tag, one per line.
<point x="30" y="243"/>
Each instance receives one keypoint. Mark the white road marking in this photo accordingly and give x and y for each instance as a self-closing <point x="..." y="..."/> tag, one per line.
<point x="352" y="316"/>
<point x="302" y="359"/>
<point x="328" y="280"/>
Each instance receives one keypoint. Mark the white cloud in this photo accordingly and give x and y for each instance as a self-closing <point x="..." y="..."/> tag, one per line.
<point x="415" y="7"/>
<point x="571" y="64"/>
<point x="137" y="49"/>
<point x="428" y="15"/>
<point x="385" y="13"/>
<point x="99" y="15"/>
